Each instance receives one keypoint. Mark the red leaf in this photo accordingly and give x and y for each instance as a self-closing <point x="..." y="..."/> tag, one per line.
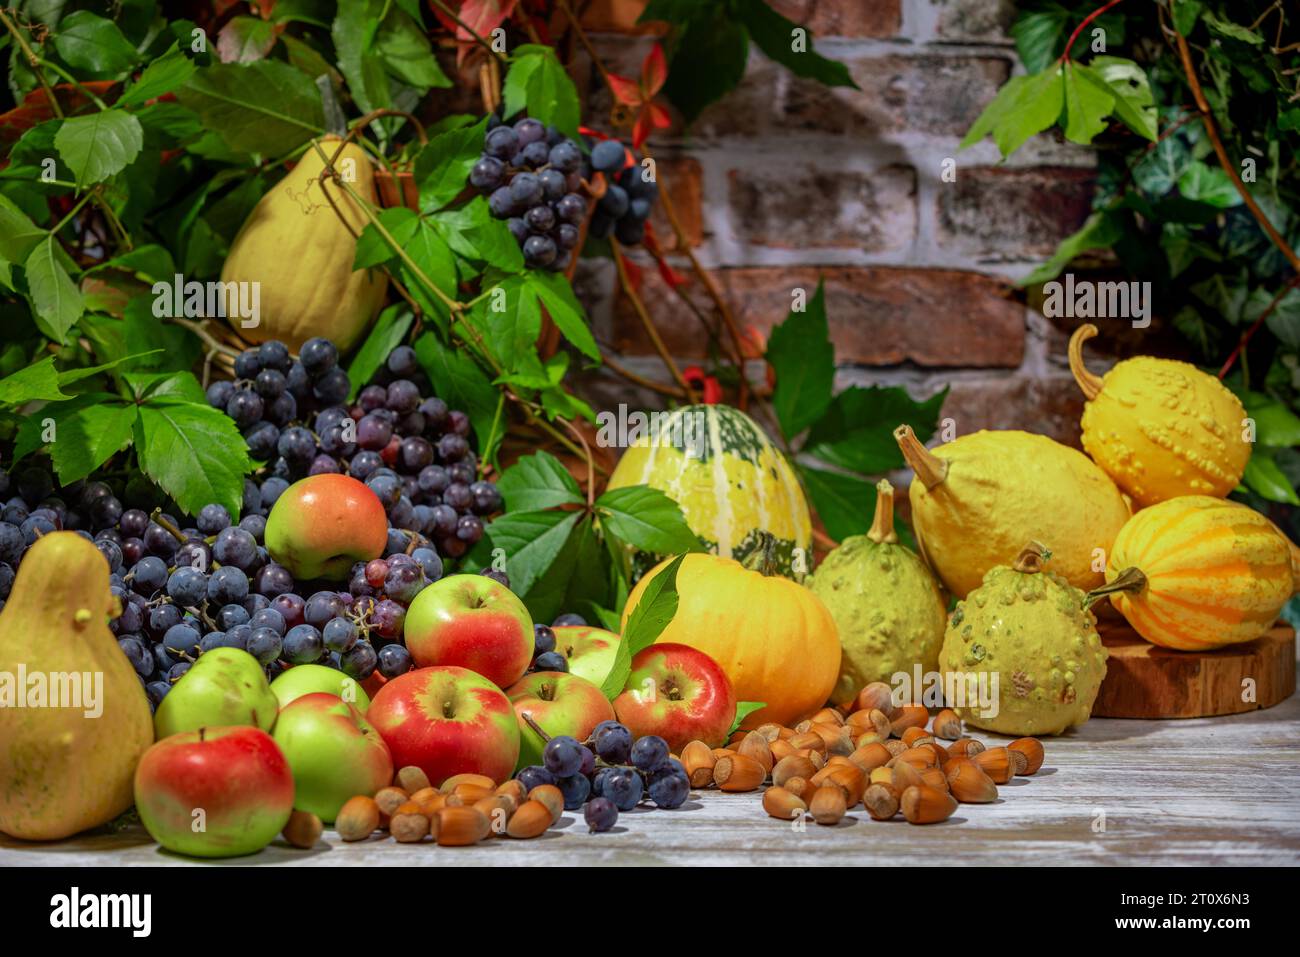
<point x="752" y="343"/>
<point x="634" y="277"/>
<point x="642" y="128"/>
<point x="35" y="108"/>
<point x="712" y="391"/>
<point x="483" y="16"/>
<point x="654" y="71"/>
<point x="659" y="116"/>
<point x="627" y="92"/>
<point x="694" y="375"/>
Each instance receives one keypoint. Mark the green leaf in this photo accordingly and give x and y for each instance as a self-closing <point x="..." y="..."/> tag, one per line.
<point x="531" y="541"/>
<point x="1159" y="170"/>
<point x="1265" y="478"/>
<point x="267" y="107"/>
<point x="1088" y="101"/>
<point x="167" y="74"/>
<point x="857" y="431"/>
<point x="844" y="504"/>
<point x="555" y="293"/>
<point x="246" y="39"/>
<point x="1026" y="105"/>
<point x="708" y="61"/>
<point x="69" y="376"/>
<point x="88" y="42"/>
<point x="442" y="167"/>
<point x="55" y="297"/>
<point x="774" y="35"/>
<point x="144" y="331"/>
<point x="1186" y="13"/>
<point x="1276" y="426"/>
<point x="1233" y="31"/>
<point x="743" y="710"/>
<point x="458" y="379"/>
<point x="18" y="234"/>
<point x="386" y="335"/>
<point x="536" y="482"/>
<point x="543" y="88"/>
<point x="474" y="233"/>
<point x="1039" y="36"/>
<point x="149" y="262"/>
<point x="87" y="432"/>
<point x="647" y="621"/>
<point x="1208" y="184"/>
<point x="406" y="53"/>
<point x="1099" y="231"/>
<point x="39" y="382"/>
<point x="1128" y="84"/>
<point x="193" y="452"/>
<point x="803" y="359"/>
<point x="100" y="144"/>
<point x="647" y="519"/>
<point x="373" y="249"/>
<point x="163" y="385"/>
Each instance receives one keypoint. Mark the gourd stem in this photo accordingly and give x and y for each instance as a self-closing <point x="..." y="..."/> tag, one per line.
<point x="1031" y="558"/>
<point x="929" y="468"/>
<point x="1130" y="579"/>
<point x="763" y="558"/>
<point x="1088" y="383"/>
<point x="882" y="524"/>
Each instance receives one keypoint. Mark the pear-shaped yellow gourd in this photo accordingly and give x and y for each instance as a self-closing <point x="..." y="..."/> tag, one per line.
<point x="978" y="499"/>
<point x="1161" y="428"/>
<point x="74" y="720"/>
<point x="300" y="252"/>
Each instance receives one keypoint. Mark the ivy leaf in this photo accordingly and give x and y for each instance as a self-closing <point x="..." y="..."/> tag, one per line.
<point x="1233" y="31"/>
<point x="55" y="297"/>
<point x="1039" y="36"/>
<point x="266" y="107"/>
<point x="803" y="359"/>
<point x="845" y="504"/>
<point x="166" y="74"/>
<point x="856" y="432"/>
<point x="458" y="379"/>
<point x="87" y="432"/>
<point x="653" y="612"/>
<point x="1087" y="102"/>
<point x="538" y="481"/>
<point x="743" y="710"/>
<point x="386" y="335"/>
<point x="1160" y="169"/>
<point x="1186" y="13"/>
<point x="531" y="541"/>
<point x="193" y="452"/>
<point x="39" y="382"/>
<point x="88" y="42"/>
<point x="442" y="167"/>
<point x="1026" y="105"/>
<point x="1265" y="478"/>
<point x="100" y="144"/>
<point x="1099" y="231"/>
<point x="647" y="519"/>
<point x="1128" y="84"/>
<point x="1208" y="184"/>
<point x="773" y="34"/>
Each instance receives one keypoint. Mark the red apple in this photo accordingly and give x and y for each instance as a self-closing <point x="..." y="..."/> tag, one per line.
<point x="215" y="792"/>
<point x="333" y="751"/>
<point x="322" y="525"/>
<point x="560" y="704"/>
<point x="679" y="693"/>
<point x="473" y="622"/>
<point x="447" y="721"/>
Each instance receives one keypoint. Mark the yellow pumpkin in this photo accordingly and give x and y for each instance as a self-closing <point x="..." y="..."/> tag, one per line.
<point x="300" y="252"/>
<point x="773" y="637"/>
<point x="1160" y="428"/>
<point x="1198" y="572"/>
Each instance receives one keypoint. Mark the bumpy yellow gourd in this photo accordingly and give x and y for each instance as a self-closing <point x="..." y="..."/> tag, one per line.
<point x="299" y="250"/>
<point x="978" y="499"/>
<point x="1161" y="428"/>
<point x="1199" y="572"/>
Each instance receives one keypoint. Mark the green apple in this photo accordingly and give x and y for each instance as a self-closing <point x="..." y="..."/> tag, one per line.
<point x="306" y="679"/>
<point x="589" y="651"/>
<point x="225" y="687"/>
<point x="559" y="704"/>
<point x="333" y="751"/>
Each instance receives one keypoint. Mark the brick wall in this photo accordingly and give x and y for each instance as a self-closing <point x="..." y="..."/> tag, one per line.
<point x="785" y="180"/>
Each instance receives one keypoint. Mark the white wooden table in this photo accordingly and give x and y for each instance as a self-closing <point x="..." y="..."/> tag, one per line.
<point x="1210" y="791"/>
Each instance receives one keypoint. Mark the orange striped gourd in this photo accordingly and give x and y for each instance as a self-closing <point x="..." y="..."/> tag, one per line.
<point x="1198" y="572"/>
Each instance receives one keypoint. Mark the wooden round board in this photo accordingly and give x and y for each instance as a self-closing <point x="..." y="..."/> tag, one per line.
<point x="1147" y="681"/>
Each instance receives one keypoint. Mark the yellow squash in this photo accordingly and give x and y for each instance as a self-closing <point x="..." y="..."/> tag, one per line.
<point x="772" y="636"/>
<point x="300" y="252"/>
<point x="978" y="499"/>
<point x="1161" y="428"/>
<point x="1198" y="572"/>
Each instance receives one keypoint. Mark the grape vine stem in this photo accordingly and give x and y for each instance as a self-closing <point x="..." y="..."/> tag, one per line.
<point x="648" y="323"/>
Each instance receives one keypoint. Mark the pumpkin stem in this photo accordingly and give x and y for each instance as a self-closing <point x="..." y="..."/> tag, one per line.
<point x="929" y="468"/>
<point x="1031" y="558"/>
<point x="1088" y="383"/>
<point x="1130" y="579"/>
<point x="763" y="558"/>
<point x="882" y="524"/>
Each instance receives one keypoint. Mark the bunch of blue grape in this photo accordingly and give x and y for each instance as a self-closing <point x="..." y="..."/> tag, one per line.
<point x="609" y="773"/>
<point x="531" y="175"/>
<point x="629" y="195"/>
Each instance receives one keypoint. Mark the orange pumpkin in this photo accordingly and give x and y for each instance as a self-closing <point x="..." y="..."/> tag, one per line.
<point x="1197" y="572"/>
<point x="773" y="637"/>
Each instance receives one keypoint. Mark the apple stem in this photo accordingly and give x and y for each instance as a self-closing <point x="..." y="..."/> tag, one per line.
<point x="528" y="720"/>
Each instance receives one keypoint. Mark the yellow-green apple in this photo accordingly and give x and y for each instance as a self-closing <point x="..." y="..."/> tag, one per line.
<point x="305" y="679"/>
<point x="215" y="792"/>
<point x="322" y="525"/>
<point x="226" y="686"/>
<point x="679" y="693"/>
<point x="589" y="651"/>
<point x="474" y="622"/>
<point x="333" y="751"/>
<point x="446" y="721"/>
<point x="560" y="704"/>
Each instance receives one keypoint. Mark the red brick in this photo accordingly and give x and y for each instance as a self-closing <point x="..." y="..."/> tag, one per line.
<point x="925" y="93"/>
<point x="974" y="21"/>
<point x="1012" y="213"/>
<point x="802" y="206"/>
<point x="1050" y="405"/>
<point x="619" y="16"/>
<point x="879" y="315"/>
<point x="843" y="18"/>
